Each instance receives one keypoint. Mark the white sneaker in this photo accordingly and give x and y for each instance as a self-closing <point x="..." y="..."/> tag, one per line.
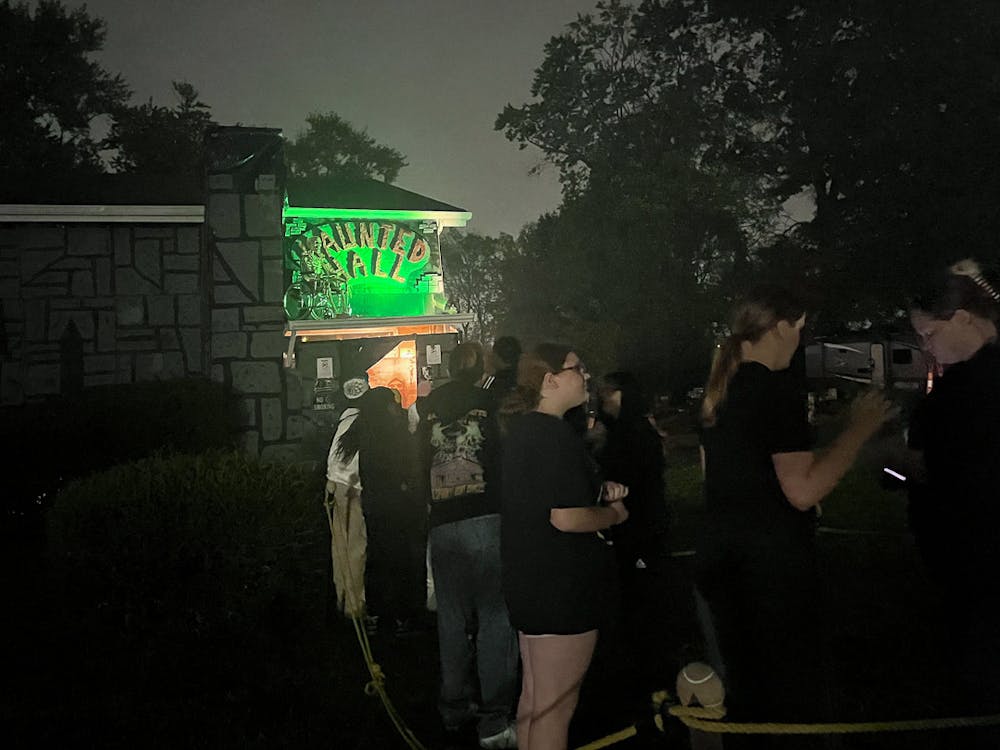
<point x="505" y="739"/>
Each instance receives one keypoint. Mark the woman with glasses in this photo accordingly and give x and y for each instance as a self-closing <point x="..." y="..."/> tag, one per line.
<point x="556" y="568"/>
<point x="954" y="512"/>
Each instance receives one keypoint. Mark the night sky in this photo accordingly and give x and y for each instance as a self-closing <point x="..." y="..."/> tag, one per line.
<point x="426" y="77"/>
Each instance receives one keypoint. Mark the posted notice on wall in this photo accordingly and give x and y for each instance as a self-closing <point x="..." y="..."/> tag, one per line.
<point x="434" y="354"/>
<point x="324" y="367"/>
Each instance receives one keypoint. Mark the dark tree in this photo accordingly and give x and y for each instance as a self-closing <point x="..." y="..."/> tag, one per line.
<point x="680" y="129"/>
<point x="660" y="177"/>
<point x="332" y="146"/>
<point x="158" y="140"/>
<point x="893" y="108"/>
<point x="474" y="266"/>
<point x="52" y="90"/>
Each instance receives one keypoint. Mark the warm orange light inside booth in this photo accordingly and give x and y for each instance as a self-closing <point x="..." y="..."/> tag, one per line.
<point x="398" y="370"/>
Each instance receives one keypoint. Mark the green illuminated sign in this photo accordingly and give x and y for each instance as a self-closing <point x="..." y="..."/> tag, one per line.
<point x="360" y="268"/>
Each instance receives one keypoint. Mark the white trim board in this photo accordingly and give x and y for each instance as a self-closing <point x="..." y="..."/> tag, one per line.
<point x="11" y="213"/>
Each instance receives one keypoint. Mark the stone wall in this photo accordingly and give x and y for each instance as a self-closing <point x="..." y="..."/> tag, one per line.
<point x="247" y="319"/>
<point x="89" y="304"/>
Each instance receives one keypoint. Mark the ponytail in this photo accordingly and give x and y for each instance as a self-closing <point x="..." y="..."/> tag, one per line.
<point x="724" y="365"/>
<point x="757" y="314"/>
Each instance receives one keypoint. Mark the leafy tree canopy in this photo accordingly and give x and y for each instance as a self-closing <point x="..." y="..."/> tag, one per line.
<point x="52" y="90"/>
<point x="680" y="128"/>
<point x="156" y="140"/>
<point x="332" y="146"/>
<point x="474" y="265"/>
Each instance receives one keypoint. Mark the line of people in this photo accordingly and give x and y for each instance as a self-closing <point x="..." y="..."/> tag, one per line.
<point x="534" y="529"/>
<point x="533" y="589"/>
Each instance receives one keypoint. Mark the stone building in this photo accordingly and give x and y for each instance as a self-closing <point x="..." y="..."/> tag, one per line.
<point x="123" y="279"/>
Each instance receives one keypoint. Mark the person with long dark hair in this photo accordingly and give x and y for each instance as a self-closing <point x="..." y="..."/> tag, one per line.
<point x="632" y="454"/>
<point x="954" y="513"/>
<point x="756" y="563"/>
<point x="556" y="570"/>
<point x="394" y="509"/>
<point x="343" y="499"/>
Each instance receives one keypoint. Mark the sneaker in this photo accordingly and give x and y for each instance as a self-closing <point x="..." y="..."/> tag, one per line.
<point x="505" y="739"/>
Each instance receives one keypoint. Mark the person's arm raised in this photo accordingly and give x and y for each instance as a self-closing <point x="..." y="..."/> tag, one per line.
<point x="807" y="477"/>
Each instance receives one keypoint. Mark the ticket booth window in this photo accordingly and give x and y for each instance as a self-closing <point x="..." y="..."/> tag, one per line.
<point x="398" y="370"/>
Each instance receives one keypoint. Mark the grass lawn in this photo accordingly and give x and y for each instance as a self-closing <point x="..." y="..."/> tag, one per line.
<point x="888" y="645"/>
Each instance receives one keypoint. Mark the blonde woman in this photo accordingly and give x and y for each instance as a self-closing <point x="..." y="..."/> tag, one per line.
<point x="556" y="570"/>
<point x="756" y="562"/>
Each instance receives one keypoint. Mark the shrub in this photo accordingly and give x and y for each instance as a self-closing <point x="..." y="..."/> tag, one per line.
<point x="70" y="436"/>
<point x="193" y="591"/>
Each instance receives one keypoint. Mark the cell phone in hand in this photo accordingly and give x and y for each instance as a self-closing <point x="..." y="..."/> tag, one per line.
<point x="894" y="474"/>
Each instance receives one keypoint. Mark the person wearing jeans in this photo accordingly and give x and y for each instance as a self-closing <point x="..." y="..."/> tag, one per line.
<point x="457" y="437"/>
<point x="465" y="556"/>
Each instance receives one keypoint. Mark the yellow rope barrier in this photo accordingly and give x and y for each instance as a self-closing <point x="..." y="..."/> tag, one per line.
<point x="696" y="718"/>
<point x="611" y="739"/>
<point x="701" y="719"/>
<point x="376" y="685"/>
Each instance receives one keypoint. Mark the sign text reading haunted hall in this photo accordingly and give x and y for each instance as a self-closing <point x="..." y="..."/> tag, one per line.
<point x="387" y="247"/>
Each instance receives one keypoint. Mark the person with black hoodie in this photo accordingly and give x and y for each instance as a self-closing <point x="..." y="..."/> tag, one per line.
<point x="632" y="454"/>
<point x="395" y="514"/>
<point x="506" y="354"/>
<point x="458" y="441"/>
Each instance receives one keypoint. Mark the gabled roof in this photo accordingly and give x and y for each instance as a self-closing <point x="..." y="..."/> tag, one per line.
<point x="342" y="192"/>
<point x="365" y="198"/>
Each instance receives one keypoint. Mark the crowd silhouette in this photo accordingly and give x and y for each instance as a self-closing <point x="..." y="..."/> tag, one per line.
<point x="537" y="498"/>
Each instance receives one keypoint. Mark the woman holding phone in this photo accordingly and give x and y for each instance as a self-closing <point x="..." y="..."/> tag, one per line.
<point x="756" y="564"/>
<point x="556" y="569"/>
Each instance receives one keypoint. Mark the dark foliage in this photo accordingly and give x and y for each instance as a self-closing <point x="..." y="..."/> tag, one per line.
<point x="70" y="436"/>
<point x="183" y="605"/>
<point x="52" y="89"/>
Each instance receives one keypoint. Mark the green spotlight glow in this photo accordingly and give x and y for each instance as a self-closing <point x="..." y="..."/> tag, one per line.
<point x="356" y="267"/>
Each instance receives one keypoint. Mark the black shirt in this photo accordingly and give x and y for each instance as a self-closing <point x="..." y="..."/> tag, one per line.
<point x="763" y="414"/>
<point x="554" y="581"/>
<point x="957" y="514"/>
<point x="458" y="443"/>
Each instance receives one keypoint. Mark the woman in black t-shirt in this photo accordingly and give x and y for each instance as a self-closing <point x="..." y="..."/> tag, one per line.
<point x="555" y="567"/>
<point x="756" y="565"/>
<point x="955" y="514"/>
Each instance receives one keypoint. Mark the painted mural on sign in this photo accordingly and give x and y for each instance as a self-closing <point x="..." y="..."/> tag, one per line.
<point x="340" y="268"/>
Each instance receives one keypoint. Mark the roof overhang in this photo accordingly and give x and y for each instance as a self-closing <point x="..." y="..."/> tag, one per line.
<point x="443" y="218"/>
<point x="367" y="328"/>
<point x="106" y="214"/>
